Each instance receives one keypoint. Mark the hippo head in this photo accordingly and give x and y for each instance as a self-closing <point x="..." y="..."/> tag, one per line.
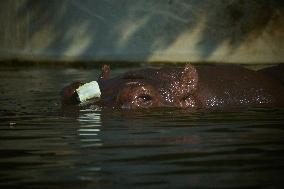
<point x="147" y="88"/>
<point x="185" y="87"/>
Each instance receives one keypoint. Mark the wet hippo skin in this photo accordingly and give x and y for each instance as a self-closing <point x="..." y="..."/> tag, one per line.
<point x="275" y="71"/>
<point x="190" y="87"/>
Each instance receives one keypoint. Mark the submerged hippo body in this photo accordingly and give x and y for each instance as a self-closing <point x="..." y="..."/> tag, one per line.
<point x="191" y="87"/>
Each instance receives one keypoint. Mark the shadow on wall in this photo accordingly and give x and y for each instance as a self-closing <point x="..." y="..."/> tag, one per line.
<point x="136" y="29"/>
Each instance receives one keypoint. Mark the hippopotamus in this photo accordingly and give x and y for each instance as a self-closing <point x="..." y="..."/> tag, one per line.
<point x="189" y="87"/>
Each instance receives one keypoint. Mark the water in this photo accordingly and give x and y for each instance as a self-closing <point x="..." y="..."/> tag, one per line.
<point x="40" y="147"/>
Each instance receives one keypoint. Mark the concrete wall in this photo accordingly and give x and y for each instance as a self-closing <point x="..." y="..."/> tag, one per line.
<point x="246" y="31"/>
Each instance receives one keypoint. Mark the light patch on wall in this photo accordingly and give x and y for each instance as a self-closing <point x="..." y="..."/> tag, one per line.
<point x="46" y="36"/>
<point x="79" y="40"/>
<point x="184" y="47"/>
<point x="222" y="52"/>
<point x="128" y="29"/>
<point x="265" y="48"/>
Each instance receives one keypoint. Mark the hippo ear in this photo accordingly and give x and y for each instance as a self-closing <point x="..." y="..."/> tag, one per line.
<point x="105" y="72"/>
<point x="189" y="79"/>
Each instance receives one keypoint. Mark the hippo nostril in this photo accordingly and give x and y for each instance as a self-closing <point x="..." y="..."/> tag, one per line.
<point x="188" y="101"/>
<point x="185" y="97"/>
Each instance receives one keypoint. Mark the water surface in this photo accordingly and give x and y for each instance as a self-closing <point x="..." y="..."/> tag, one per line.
<point x="40" y="147"/>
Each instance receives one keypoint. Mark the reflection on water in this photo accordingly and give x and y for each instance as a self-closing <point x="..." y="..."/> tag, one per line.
<point x="41" y="147"/>
<point x="89" y="131"/>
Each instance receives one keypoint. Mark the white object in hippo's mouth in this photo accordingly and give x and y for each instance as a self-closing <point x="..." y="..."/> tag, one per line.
<point x="88" y="91"/>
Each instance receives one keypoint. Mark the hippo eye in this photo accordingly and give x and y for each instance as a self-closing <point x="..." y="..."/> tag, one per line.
<point x="144" y="99"/>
